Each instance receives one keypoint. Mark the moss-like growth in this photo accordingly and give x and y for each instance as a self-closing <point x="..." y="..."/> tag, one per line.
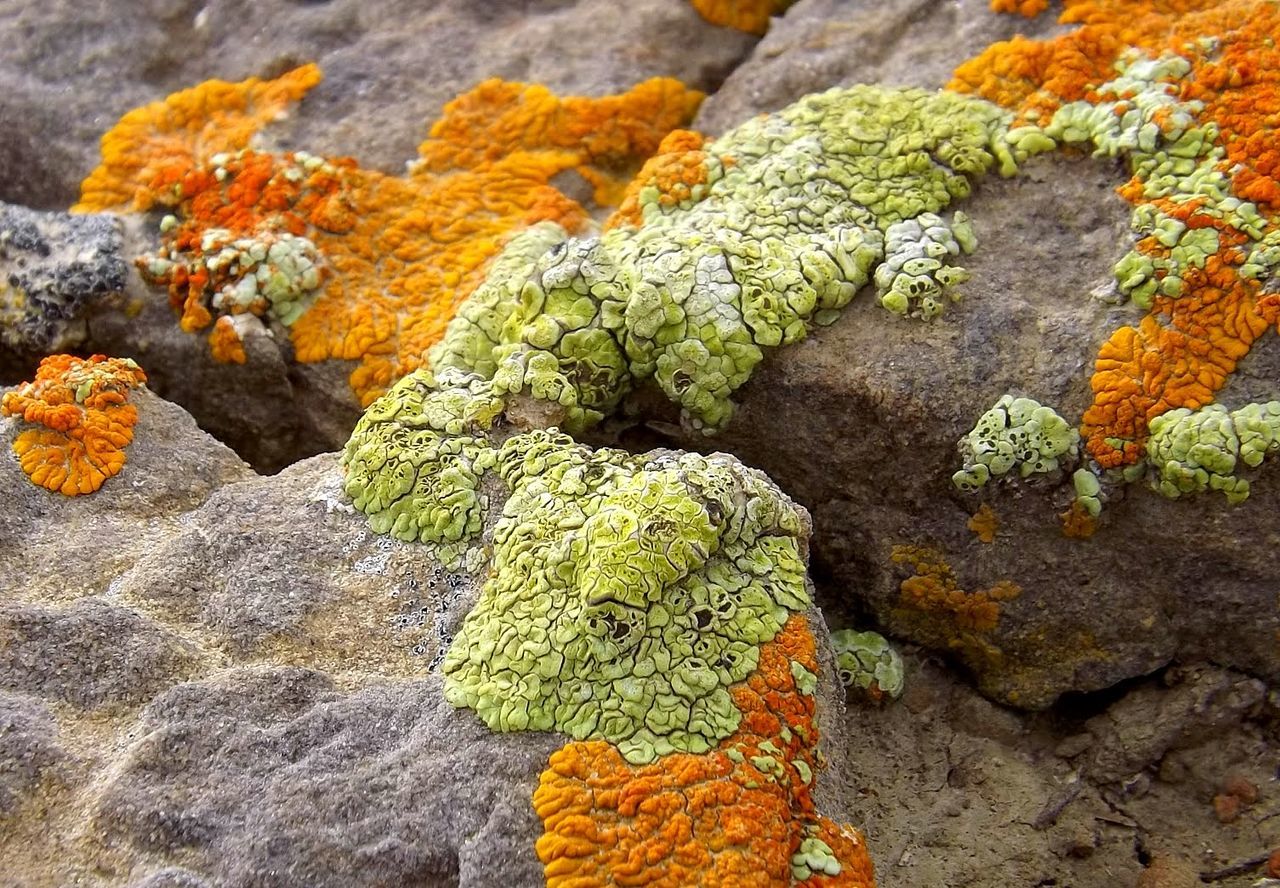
<point x="787" y="217"/>
<point x="1015" y="433"/>
<point x="1195" y="450"/>
<point x="626" y="595"/>
<point x="868" y="664"/>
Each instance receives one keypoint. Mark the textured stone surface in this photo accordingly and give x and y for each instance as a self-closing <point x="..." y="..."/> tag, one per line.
<point x="213" y="678"/>
<point x="52" y="266"/>
<point x="70" y="71"/>
<point x="819" y="44"/>
<point x="869" y="446"/>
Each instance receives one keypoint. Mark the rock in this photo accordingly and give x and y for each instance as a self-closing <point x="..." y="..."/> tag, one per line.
<point x="1141" y="728"/>
<point x="1166" y="871"/>
<point x="819" y="44"/>
<point x="248" y="681"/>
<point x="29" y="749"/>
<point x="52" y="266"/>
<point x="860" y="421"/>
<point x="70" y="73"/>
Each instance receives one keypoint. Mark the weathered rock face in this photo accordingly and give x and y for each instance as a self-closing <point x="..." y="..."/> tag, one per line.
<point x="213" y="678"/>
<point x="53" y="266"/>
<point x="389" y="67"/>
<point x="860" y="421"/>
<point x="819" y="44"/>
<point x="69" y="73"/>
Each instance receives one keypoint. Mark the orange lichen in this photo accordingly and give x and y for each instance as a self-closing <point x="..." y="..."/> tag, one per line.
<point x="984" y="523"/>
<point x="751" y="16"/>
<point x="1185" y="349"/>
<point x="1027" y="8"/>
<point x="734" y="816"/>
<point x="669" y="178"/>
<point x="160" y="142"/>
<point x="394" y="256"/>
<point x="933" y="589"/>
<point x="1179" y="355"/>
<point x="225" y="342"/>
<point x="1077" y="523"/>
<point x="83" y="421"/>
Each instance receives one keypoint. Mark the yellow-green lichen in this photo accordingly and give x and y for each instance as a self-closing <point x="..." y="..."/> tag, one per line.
<point x="791" y="214"/>
<point x="1195" y="450"/>
<point x="868" y="664"/>
<point x="626" y="593"/>
<point x="1015" y="433"/>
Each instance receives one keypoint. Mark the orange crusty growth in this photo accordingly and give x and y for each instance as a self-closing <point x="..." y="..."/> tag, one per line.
<point x="674" y="172"/>
<point x="1028" y="8"/>
<point x="984" y="523"/>
<point x="933" y="589"/>
<point x="160" y="141"/>
<point x="734" y="816"/>
<point x="1182" y="353"/>
<point x="386" y="260"/>
<point x="751" y="16"/>
<point x="82" y="418"/>
<point x="1077" y="523"/>
<point x="225" y="342"/>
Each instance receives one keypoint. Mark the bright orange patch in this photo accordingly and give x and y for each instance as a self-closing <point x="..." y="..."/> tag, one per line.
<point x="1184" y="350"/>
<point x="732" y="817"/>
<point x="399" y="253"/>
<point x="160" y="142"/>
<point x="751" y="16"/>
<point x="82" y="418"/>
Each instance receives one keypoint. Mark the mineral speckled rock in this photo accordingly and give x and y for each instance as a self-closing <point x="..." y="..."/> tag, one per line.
<point x="52" y="266"/>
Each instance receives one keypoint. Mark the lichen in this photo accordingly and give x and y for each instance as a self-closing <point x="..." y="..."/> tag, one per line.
<point x="1016" y="433"/>
<point x="1196" y="450"/>
<point x="739" y="814"/>
<point x="868" y="664"/>
<point x="1180" y="92"/>
<point x="751" y="16"/>
<point x="82" y="419"/>
<point x="626" y="595"/>
<point x="725" y="248"/>
<point x="357" y="264"/>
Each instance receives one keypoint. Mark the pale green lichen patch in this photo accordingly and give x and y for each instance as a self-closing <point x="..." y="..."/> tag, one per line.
<point x="415" y="460"/>
<point x="866" y="662"/>
<point x="1195" y="450"/>
<point x="814" y="856"/>
<point x="625" y="595"/>
<point x="1139" y="115"/>
<point x="1015" y="433"/>
<point x="795" y="212"/>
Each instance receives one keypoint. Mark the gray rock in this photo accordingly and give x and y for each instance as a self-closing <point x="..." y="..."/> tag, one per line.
<point x="1141" y="728"/>
<point x="89" y="654"/>
<point x="70" y="72"/>
<point x="52" y="265"/>
<point x="250" y="677"/>
<point x="819" y="44"/>
<point x="385" y="785"/>
<point x="859" y="422"/>
<point x="29" y="748"/>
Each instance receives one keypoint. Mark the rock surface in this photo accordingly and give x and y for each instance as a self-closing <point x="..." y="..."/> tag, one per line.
<point x="70" y="72"/>
<point x="209" y="677"/>
<point x="53" y="267"/>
